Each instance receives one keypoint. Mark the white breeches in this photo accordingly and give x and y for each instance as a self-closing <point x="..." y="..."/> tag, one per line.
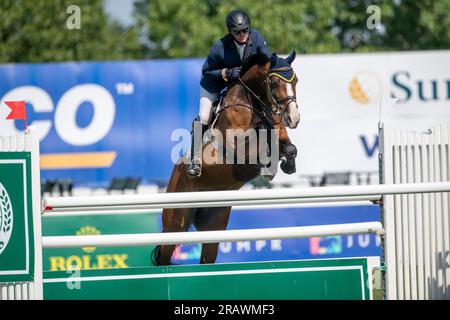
<point x="206" y="101"/>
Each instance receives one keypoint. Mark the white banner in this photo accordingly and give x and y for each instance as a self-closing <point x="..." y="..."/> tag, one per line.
<point x="339" y="101"/>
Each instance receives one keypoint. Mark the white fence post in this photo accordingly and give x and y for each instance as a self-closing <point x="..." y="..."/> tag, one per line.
<point x="417" y="240"/>
<point x="37" y="209"/>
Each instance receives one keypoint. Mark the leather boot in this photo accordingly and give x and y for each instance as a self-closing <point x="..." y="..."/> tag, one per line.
<point x="195" y="167"/>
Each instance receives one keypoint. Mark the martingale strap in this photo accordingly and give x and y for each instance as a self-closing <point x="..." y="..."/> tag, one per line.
<point x="263" y="113"/>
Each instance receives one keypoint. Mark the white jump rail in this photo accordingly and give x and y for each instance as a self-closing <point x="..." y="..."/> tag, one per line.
<point x="99" y="209"/>
<point x="106" y="211"/>
<point x="124" y="240"/>
<point x="238" y="198"/>
<point x="213" y="198"/>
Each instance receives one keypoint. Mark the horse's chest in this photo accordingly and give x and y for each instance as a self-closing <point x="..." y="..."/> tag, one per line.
<point x="246" y="172"/>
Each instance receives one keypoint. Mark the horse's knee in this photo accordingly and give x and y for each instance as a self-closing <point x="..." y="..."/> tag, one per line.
<point x="177" y="221"/>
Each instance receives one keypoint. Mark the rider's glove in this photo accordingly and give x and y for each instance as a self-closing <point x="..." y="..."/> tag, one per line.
<point x="233" y="73"/>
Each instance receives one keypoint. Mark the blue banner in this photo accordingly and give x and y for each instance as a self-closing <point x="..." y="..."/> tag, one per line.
<point x="362" y="245"/>
<point x="99" y="120"/>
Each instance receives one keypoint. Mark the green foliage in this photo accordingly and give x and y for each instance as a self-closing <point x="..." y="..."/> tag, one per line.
<point x="177" y="28"/>
<point x="415" y="25"/>
<point x="189" y="28"/>
<point x="406" y="25"/>
<point x="302" y="25"/>
<point x="36" y="31"/>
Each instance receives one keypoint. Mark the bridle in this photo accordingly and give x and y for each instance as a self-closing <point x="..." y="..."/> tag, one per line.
<point x="277" y="105"/>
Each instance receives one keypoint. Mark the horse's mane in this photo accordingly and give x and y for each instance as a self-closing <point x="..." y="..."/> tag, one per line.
<point x="259" y="59"/>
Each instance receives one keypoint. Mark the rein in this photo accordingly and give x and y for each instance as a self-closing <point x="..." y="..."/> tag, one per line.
<point x="262" y="113"/>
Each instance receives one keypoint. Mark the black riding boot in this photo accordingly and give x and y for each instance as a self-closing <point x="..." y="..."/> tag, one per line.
<point x="195" y="167"/>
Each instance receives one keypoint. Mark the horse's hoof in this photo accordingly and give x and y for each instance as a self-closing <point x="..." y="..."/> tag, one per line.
<point x="288" y="166"/>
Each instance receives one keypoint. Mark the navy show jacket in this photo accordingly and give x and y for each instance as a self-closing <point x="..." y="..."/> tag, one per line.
<point x="224" y="54"/>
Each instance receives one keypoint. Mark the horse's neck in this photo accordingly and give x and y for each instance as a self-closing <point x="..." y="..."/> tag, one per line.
<point x="239" y="95"/>
<point x="255" y="78"/>
<point x="241" y="116"/>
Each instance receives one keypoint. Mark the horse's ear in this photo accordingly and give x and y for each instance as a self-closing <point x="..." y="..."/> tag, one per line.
<point x="291" y="57"/>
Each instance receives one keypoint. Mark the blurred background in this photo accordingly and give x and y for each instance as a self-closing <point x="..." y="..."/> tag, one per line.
<point x="107" y="83"/>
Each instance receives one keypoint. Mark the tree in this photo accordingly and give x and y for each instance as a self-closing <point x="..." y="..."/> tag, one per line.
<point x="189" y="28"/>
<point x="36" y="31"/>
<point x="405" y="25"/>
<point x="286" y="25"/>
<point x="418" y="25"/>
<point x="176" y="29"/>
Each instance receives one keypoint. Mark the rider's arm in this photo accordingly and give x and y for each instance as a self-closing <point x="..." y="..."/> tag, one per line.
<point x="262" y="45"/>
<point x="213" y="65"/>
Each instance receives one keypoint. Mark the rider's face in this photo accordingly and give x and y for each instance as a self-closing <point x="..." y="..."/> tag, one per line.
<point x="241" y="38"/>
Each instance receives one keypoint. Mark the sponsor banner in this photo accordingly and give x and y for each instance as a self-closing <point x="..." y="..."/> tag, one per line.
<point x="363" y="245"/>
<point x="88" y="258"/>
<point x="242" y="251"/>
<point x="102" y="120"/>
<point x="99" y="120"/>
<point x="343" y="97"/>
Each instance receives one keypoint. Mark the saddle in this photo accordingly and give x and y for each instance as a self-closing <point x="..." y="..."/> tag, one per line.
<point x="219" y="104"/>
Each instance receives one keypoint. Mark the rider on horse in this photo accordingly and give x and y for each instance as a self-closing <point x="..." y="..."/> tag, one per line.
<point x="222" y="67"/>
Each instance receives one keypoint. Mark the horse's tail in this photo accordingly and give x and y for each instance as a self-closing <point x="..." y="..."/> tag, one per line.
<point x="156" y="253"/>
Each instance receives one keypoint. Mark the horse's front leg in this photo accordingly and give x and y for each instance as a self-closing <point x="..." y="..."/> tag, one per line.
<point x="174" y="220"/>
<point x="288" y="151"/>
<point x="209" y="219"/>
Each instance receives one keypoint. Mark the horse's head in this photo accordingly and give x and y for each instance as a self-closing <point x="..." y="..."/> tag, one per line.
<point x="280" y="87"/>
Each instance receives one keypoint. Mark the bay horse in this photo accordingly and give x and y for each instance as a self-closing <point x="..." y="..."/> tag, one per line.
<point x="263" y="97"/>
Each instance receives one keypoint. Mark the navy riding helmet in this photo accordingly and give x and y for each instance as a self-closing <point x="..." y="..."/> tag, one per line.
<point x="237" y="21"/>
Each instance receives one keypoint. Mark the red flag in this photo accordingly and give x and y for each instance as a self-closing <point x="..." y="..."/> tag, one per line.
<point x="17" y="110"/>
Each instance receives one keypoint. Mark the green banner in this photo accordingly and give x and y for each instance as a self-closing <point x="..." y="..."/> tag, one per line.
<point x="16" y="218"/>
<point x="89" y="258"/>
<point x="304" y="279"/>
